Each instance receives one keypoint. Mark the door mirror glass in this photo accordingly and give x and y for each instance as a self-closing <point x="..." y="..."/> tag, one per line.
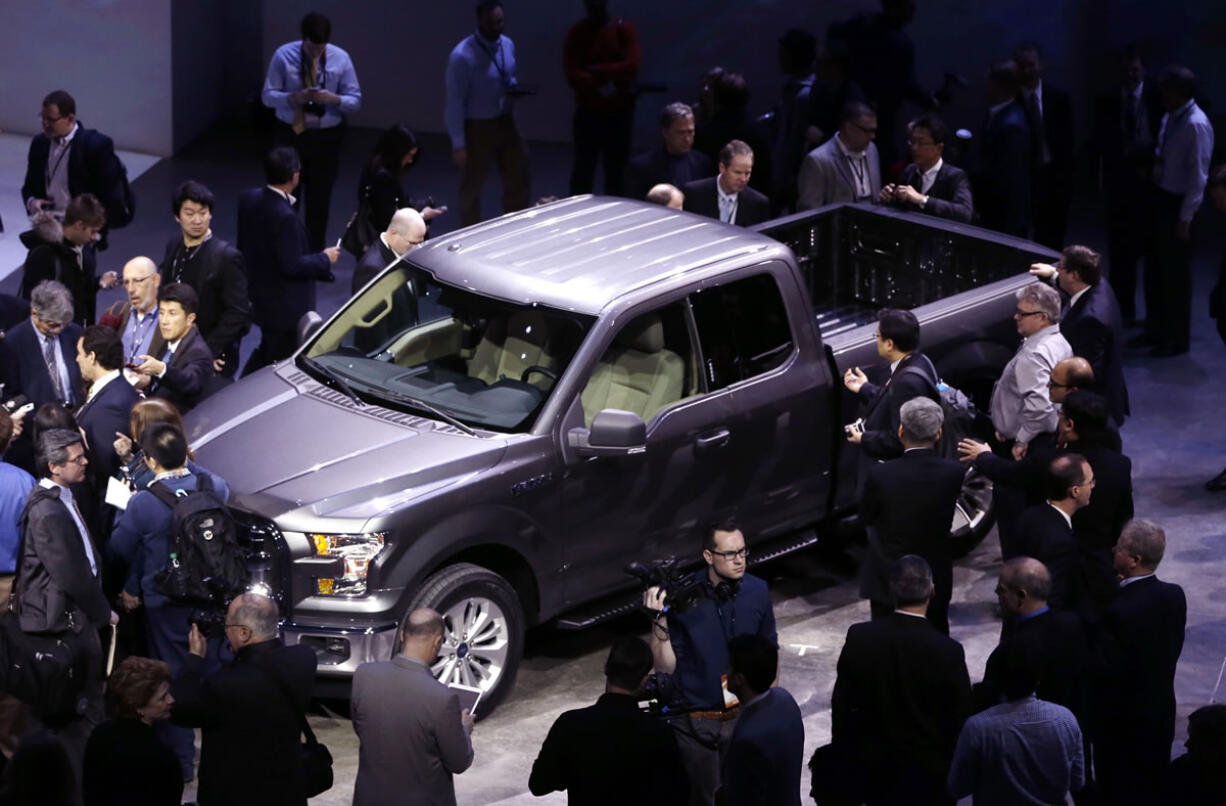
<point x="613" y="433"/>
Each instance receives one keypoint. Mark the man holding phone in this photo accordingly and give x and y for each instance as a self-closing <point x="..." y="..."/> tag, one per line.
<point x="413" y="735"/>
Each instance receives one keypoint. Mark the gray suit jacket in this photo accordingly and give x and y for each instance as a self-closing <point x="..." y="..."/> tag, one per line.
<point x="826" y="178"/>
<point x="412" y="739"/>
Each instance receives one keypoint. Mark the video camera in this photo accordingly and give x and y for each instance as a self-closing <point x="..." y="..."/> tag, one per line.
<point x="681" y="589"/>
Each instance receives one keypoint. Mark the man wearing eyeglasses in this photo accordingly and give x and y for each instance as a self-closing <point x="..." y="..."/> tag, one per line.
<point x="136" y="318"/>
<point x="930" y="184"/>
<point x="846" y="167"/>
<point x="691" y="644"/>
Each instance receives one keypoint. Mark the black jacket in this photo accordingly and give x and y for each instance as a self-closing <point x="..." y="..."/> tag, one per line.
<point x="1127" y="162"/>
<point x="881" y="421"/>
<point x="1056" y="129"/>
<point x="187" y="373"/>
<point x="281" y="271"/>
<point x="101" y="417"/>
<point x="1002" y="186"/>
<point x="609" y="754"/>
<point x="765" y="754"/>
<point x="92" y="168"/>
<point x="751" y="206"/>
<point x="1059" y="641"/>
<point x="900" y="697"/>
<point x="950" y="195"/>
<point x="55" y="588"/>
<point x="1046" y="536"/>
<point x="1095" y="331"/>
<point x="250" y="734"/>
<point x="1098" y="525"/>
<point x="126" y="765"/>
<point x="58" y="261"/>
<point x="217" y="275"/>
<point x="12" y="310"/>
<point x="656" y="166"/>
<point x="374" y="260"/>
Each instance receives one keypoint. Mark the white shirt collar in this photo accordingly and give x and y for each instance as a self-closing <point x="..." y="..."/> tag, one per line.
<point x="935" y="169"/>
<point x="1126" y="582"/>
<point x="1063" y="514"/>
<point x="66" y="139"/>
<point x="1137" y="92"/>
<point x="97" y="385"/>
<point x="289" y="197"/>
<point x="174" y="345"/>
<point x="838" y="139"/>
<point x="47" y="483"/>
<point x="894" y="365"/>
<point x="993" y="110"/>
<point x="43" y="337"/>
<point x="1037" y="91"/>
<point x="719" y="190"/>
<point x="1073" y="299"/>
<point x="902" y="612"/>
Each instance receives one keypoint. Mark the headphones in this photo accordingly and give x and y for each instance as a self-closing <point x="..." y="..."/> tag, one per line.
<point x="726" y="590"/>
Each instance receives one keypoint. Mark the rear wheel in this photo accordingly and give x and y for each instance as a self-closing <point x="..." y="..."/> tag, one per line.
<point x="973" y="513"/>
<point x="483" y="630"/>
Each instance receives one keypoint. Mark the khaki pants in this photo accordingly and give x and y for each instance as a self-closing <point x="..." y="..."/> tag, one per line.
<point x="495" y="140"/>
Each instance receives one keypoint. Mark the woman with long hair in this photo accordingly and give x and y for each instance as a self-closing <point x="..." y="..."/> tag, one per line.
<point x="383" y="174"/>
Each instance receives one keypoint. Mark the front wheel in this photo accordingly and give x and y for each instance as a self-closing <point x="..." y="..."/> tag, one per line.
<point x="973" y="513"/>
<point x="483" y="630"/>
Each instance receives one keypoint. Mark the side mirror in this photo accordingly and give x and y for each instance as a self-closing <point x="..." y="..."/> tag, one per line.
<point x="308" y="324"/>
<point x="613" y="433"/>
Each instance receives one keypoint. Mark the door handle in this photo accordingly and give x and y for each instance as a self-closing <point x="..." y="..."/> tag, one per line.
<point x="713" y="439"/>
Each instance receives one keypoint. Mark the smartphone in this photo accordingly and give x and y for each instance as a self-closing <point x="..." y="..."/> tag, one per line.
<point x="23" y="411"/>
<point x="470" y="697"/>
<point x="442" y="209"/>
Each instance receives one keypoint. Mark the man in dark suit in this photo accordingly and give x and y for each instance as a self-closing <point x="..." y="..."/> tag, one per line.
<point x="1139" y="642"/>
<point x="908" y="506"/>
<point x="215" y="270"/>
<point x="248" y="712"/>
<point x="1091" y="322"/>
<point x="612" y="752"/>
<point x="406" y="230"/>
<point x="69" y="258"/>
<point x="912" y="375"/>
<point x="107" y="409"/>
<point x="728" y="196"/>
<point x="67" y="160"/>
<point x="1002" y="183"/>
<point x="901" y="696"/>
<point x="1049" y="113"/>
<point x="1126" y="123"/>
<point x="1045" y="531"/>
<point x="182" y="374"/>
<point x="930" y="184"/>
<point x="674" y="161"/>
<point x="281" y="274"/>
<point x="38" y="354"/>
<point x="768" y="744"/>
<point x="412" y="735"/>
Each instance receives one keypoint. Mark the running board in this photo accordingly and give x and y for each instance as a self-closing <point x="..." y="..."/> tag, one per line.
<point x="628" y="601"/>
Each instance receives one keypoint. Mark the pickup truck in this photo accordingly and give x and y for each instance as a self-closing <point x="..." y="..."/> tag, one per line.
<point x="500" y="422"/>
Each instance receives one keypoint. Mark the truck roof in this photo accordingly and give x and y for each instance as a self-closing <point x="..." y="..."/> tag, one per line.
<point x="582" y="253"/>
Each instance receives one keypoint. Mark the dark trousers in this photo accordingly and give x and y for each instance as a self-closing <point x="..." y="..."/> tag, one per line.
<point x="494" y="141"/>
<point x="703" y="745"/>
<point x="274" y="345"/>
<point x="598" y="133"/>
<point x="74" y="733"/>
<point x="1050" y="203"/>
<point x="1168" y="278"/>
<point x="1129" y="240"/>
<point x="320" y="152"/>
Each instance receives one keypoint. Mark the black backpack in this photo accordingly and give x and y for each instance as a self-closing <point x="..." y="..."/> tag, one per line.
<point x="961" y="416"/>
<point x="207" y="566"/>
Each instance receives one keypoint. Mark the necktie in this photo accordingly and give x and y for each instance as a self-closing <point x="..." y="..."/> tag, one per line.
<point x="87" y="544"/>
<point x="53" y="367"/>
<point x="1130" y="120"/>
<point x="299" y="125"/>
<point x="1036" y="125"/>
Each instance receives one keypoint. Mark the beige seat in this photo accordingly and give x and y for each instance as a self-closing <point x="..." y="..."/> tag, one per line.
<point x="636" y="373"/>
<point x="509" y="346"/>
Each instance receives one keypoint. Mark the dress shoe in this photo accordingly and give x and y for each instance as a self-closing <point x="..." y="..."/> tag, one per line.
<point x="1216" y="484"/>
<point x="1166" y="351"/>
<point x="1141" y="340"/>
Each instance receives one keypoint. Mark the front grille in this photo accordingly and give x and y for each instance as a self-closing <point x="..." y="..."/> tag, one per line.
<point x="267" y="554"/>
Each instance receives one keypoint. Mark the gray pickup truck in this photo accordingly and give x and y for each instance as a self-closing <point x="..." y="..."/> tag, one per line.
<point x="497" y="425"/>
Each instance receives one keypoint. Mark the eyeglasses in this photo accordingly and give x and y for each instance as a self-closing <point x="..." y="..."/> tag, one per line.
<point x="865" y="129"/>
<point x="1020" y="314"/>
<point x="51" y="325"/>
<point x="1052" y="384"/>
<point x="131" y="281"/>
<point x="43" y="117"/>
<point x="731" y="555"/>
<point x="79" y="459"/>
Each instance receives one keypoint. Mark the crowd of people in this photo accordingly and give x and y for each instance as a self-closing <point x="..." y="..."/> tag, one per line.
<point x="1087" y="625"/>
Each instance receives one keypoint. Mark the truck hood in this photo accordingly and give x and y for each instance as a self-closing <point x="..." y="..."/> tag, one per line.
<point x="300" y="447"/>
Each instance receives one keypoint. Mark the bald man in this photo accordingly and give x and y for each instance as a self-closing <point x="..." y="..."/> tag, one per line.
<point x="667" y="195"/>
<point x="136" y="317"/>
<point x="412" y="732"/>
<point x="249" y="711"/>
<point x="406" y="230"/>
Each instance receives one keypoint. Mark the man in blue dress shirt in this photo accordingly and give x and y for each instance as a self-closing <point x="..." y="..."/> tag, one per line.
<point x="312" y="87"/>
<point x="481" y="86"/>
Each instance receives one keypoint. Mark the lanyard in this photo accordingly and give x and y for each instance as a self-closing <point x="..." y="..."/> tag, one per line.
<point x="52" y="170"/>
<point x="859" y="169"/>
<point x="494" y="54"/>
<point x="182" y="257"/>
<point x="140" y="327"/>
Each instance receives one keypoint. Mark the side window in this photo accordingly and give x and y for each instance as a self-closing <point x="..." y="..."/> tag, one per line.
<point x="649" y="365"/>
<point x="743" y="329"/>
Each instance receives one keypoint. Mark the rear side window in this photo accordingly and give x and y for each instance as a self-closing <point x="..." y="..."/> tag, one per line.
<point x="742" y="328"/>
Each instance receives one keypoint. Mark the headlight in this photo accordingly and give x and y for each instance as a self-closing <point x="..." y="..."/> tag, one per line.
<point x="355" y="553"/>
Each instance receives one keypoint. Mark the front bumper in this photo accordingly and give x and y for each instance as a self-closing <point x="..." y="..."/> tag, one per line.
<point x="342" y="650"/>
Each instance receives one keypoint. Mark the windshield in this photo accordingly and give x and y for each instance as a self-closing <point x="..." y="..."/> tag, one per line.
<point x="410" y="343"/>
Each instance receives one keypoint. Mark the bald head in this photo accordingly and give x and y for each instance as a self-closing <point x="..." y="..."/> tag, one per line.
<point x="140" y="282"/>
<point x="1070" y="375"/>
<point x="406" y="230"/>
<point x="666" y="195"/>
<point x="422" y="634"/>
<point x="255" y="612"/>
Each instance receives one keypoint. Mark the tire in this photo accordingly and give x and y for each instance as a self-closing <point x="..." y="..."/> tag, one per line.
<point x="973" y="513"/>
<point x="483" y="639"/>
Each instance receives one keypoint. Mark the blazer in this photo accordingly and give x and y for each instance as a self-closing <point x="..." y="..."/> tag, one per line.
<point x="187" y="373"/>
<point x="1098" y="525"/>
<point x="656" y="166"/>
<point x="751" y="206"/>
<point x="765" y="754"/>
<point x="92" y="168"/>
<point x="1059" y="642"/>
<point x="249" y="723"/>
<point x="1094" y="329"/>
<point x="126" y="764"/>
<point x="56" y="590"/>
<point x="12" y="311"/>
<point x="1056" y="128"/>
<point x="217" y="275"/>
<point x="950" y="195"/>
<point x="1127" y="161"/>
<point x="826" y="178"/>
<point x="100" y="418"/>
<point x="1046" y="536"/>
<point x="411" y="739"/>
<point x="374" y="260"/>
<point x="908" y="505"/>
<point x="1002" y="189"/>
<point x="608" y="754"/>
<point x="281" y="273"/>
<point x="58" y="261"/>
<point x="881" y="421"/>
<point x="24" y="370"/>
<point x="901" y="695"/>
<point x="120" y="312"/>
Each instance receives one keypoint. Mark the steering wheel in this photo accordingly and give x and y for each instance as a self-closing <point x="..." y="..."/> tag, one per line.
<point x="548" y="373"/>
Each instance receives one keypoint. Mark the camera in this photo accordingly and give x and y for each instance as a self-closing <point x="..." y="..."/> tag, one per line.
<point x="852" y="428"/>
<point x="681" y="589"/>
<point x="211" y="621"/>
<point x="659" y="693"/>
